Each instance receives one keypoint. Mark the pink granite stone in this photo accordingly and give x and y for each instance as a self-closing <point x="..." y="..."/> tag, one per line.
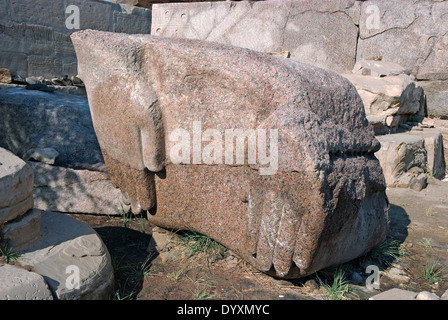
<point x="324" y="202"/>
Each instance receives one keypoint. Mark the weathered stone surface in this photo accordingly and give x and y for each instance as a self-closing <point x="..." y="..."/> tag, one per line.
<point x="19" y="235"/>
<point x="321" y="33"/>
<point x="444" y="295"/>
<point x="45" y="155"/>
<point x="437" y="104"/>
<point x="379" y="68"/>
<point x="425" y="295"/>
<point x="16" y="186"/>
<point x="411" y="34"/>
<point x="20" y="284"/>
<point x="77" y="191"/>
<point x="323" y="203"/>
<point x="35" y="119"/>
<point x="5" y="75"/>
<point x="398" y="154"/>
<point x="389" y="101"/>
<point x="148" y="3"/>
<point x="395" y="294"/>
<point x="66" y="243"/>
<point x="435" y="151"/>
<point x="404" y="157"/>
<point x="35" y="35"/>
<point x="443" y="126"/>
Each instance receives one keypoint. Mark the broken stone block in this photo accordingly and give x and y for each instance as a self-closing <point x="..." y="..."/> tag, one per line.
<point x="317" y="200"/>
<point x="67" y="251"/>
<point x="19" y="235"/>
<point x="45" y="155"/>
<point x="407" y="158"/>
<point x="16" y="186"/>
<point x="34" y="119"/>
<point x="20" y="284"/>
<point x="76" y="191"/>
<point x="418" y="183"/>
<point x="398" y="154"/>
<point x="435" y="152"/>
<point x="5" y="75"/>
<point x="380" y="68"/>
<point x="389" y="101"/>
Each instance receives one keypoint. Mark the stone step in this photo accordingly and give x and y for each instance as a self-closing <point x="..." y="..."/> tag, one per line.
<point x="16" y="186"/>
<point x="68" y="248"/>
<point x="22" y="233"/>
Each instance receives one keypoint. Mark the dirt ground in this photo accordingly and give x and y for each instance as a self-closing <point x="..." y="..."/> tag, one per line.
<point x="172" y="271"/>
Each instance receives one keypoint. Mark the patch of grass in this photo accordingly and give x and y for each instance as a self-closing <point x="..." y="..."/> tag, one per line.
<point x="430" y="212"/>
<point x="175" y="275"/>
<point x="433" y="272"/>
<point x="8" y="254"/>
<point x="140" y="271"/>
<point x="200" y="294"/>
<point x="339" y="287"/>
<point x="120" y="294"/>
<point x="386" y="253"/>
<point x="196" y="242"/>
<point x="426" y="242"/>
<point x="126" y="218"/>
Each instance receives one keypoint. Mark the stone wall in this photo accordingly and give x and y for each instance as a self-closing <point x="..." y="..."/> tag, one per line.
<point x="330" y="34"/>
<point x="35" y="41"/>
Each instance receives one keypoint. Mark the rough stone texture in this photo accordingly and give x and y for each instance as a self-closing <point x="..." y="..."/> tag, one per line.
<point x="325" y="204"/>
<point x="35" y="119"/>
<point x="34" y="39"/>
<point x="5" y="75"/>
<point x="321" y="33"/>
<point x="398" y="154"/>
<point x="45" y="155"/>
<point x="390" y="100"/>
<point x="379" y="68"/>
<point x="16" y="186"/>
<point x="405" y="156"/>
<point x="435" y="150"/>
<point x="443" y="126"/>
<point x="148" y="3"/>
<point x="425" y="295"/>
<point x="411" y="34"/>
<point x="68" y="242"/>
<point x="444" y="295"/>
<point x="19" y="235"/>
<point x="395" y="294"/>
<point x="20" y="284"/>
<point x="77" y="191"/>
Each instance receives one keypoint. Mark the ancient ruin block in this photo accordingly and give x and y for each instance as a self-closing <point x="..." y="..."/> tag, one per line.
<point x="313" y="197"/>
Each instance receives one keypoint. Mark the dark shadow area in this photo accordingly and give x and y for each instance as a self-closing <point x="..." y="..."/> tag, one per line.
<point x="130" y="258"/>
<point x="399" y="222"/>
